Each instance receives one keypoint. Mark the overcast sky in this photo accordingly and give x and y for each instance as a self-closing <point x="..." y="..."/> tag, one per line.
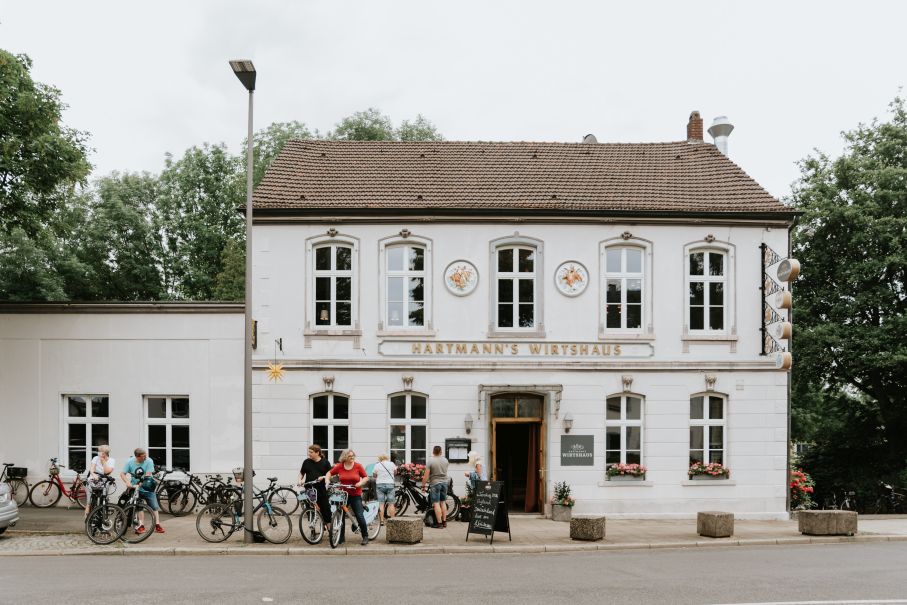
<point x="146" y="78"/>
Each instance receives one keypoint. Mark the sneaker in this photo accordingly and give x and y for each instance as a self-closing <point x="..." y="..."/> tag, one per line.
<point x="364" y="541"/>
<point x="158" y="529"/>
<point x="140" y="529"/>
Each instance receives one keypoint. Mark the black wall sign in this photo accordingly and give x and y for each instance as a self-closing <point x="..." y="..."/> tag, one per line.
<point x="457" y="449"/>
<point x="489" y="514"/>
<point x="577" y="450"/>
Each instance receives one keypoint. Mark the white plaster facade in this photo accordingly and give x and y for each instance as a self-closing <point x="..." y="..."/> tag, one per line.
<point x="667" y="363"/>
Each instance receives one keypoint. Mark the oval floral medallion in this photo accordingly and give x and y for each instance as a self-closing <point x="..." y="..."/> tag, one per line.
<point x="461" y="277"/>
<point x="571" y="278"/>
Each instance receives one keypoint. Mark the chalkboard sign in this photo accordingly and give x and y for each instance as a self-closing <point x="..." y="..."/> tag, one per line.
<point x="489" y="513"/>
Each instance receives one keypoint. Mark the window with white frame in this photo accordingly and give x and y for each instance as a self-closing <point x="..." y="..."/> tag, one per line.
<point x="87" y="427"/>
<point x="515" y="283"/>
<point x="331" y="423"/>
<point x="707" y="434"/>
<point x="167" y="422"/>
<point x="623" y="429"/>
<point x="334" y="285"/>
<point x="624" y="288"/>
<point x="405" y="286"/>
<point x="707" y="276"/>
<point x="408" y="429"/>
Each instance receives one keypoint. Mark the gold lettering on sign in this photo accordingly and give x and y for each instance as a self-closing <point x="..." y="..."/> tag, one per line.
<point x="486" y="346"/>
<point x="514" y="349"/>
<point x="595" y="350"/>
<point x="474" y="350"/>
<point x="417" y="348"/>
<point x="617" y="349"/>
<point x="528" y="348"/>
<point x="534" y="348"/>
<point x="461" y="349"/>
<point x="584" y="349"/>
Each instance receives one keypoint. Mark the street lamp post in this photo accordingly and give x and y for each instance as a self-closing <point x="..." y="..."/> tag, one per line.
<point x="245" y="71"/>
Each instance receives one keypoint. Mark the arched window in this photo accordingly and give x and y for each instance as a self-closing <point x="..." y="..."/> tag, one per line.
<point x="405" y="274"/>
<point x="516" y="287"/>
<point x="408" y="426"/>
<point x="707" y="277"/>
<point x="331" y="423"/>
<point x="624" y="417"/>
<point x="708" y="417"/>
<point x="624" y="288"/>
<point x="334" y="285"/>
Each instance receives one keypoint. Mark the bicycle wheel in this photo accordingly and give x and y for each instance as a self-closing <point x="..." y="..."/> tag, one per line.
<point x="181" y="503"/>
<point x="45" y="494"/>
<point x="275" y="525"/>
<point x="311" y="526"/>
<point x="215" y="522"/>
<point x="105" y="524"/>
<point x="337" y="521"/>
<point x="374" y="527"/>
<point x="79" y="494"/>
<point x="402" y="503"/>
<point x="453" y="506"/>
<point x="132" y="511"/>
<point x="18" y="489"/>
<point x="285" y="498"/>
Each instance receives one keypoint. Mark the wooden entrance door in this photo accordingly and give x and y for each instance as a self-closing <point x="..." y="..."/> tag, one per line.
<point x="522" y="418"/>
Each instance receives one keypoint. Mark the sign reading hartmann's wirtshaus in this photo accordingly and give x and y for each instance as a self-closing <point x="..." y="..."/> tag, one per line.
<point x="577" y="450"/>
<point x="548" y="350"/>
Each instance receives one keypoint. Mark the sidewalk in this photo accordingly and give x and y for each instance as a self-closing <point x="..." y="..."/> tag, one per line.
<point x="59" y="532"/>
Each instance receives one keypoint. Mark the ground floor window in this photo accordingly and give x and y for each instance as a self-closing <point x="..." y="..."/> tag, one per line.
<point x="167" y="419"/>
<point x="86" y="419"/>
<point x="330" y="423"/>
<point x="408" y="431"/>
<point x="623" y="431"/>
<point x="707" y="435"/>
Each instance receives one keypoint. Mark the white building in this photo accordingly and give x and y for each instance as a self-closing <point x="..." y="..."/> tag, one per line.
<point x="560" y="307"/>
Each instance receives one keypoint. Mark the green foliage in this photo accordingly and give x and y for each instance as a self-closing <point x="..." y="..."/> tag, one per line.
<point x="27" y="271"/>
<point x="197" y="216"/>
<point x="851" y="340"/>
<point x="419" y="129"/>
<point x="368" y="125"/>
<point x="231" y="284"/>
<point x="40" y="158"/>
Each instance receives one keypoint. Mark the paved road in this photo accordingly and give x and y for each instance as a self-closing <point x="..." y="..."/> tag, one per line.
<point x="834" y="572"/>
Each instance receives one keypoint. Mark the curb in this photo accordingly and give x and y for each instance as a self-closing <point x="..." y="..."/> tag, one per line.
<point x="451" y="550"/>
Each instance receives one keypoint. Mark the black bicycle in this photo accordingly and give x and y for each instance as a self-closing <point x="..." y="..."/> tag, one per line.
<point x="408" y="492"/>
<point x="137" y="511"/>
<point x="311" y="523"/>
<point x="848" y="501"/>
<point x="219" y="520"/>
<point x="890" y="501"/>
<point x="106" y="522"/>
<point x="182" y="497"/>
<point x="14" y="476"/>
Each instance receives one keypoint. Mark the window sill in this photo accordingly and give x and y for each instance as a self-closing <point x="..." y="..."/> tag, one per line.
<point x="707" y="482"/>
<point x="332" y="332"/>
<point x="626" y="336"/>
<point x="406" y="333"/>
<point x="609" y="483"/>
<point x="507" y="335"/>
<point x="710" y="338"/>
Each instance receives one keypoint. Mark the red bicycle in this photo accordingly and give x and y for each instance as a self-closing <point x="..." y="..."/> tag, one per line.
<point x="47" y="493"/>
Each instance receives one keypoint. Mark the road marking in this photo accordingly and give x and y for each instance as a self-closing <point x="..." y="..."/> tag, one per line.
<point x="267" y="599"/>
<point x="845" y="602"/>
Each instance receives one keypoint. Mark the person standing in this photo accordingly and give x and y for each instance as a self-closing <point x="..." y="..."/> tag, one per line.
<point x="353" y="474"/>
<point x="140" y="460"/>
<point x="478" y="469"/>
<point x="102" y="464"/>
<point x="436" y="477"/>
<point x="383" y="473"/>
<point x="313" y="468"/>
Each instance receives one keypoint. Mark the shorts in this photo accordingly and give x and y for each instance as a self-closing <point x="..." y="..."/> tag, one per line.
<point x="150" y="499"/>
<point x="438" y="492"/>
<point x="386" y="492"/>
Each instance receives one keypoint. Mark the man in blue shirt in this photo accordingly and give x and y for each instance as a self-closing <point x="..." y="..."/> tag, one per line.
<point x="140" y="460"/>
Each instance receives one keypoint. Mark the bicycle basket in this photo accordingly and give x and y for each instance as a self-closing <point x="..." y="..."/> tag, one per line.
<point x="310" y="494"/>
<point x="54" y="471"/>
<point x="338" y="497"/>
<point x="17" y="472"/>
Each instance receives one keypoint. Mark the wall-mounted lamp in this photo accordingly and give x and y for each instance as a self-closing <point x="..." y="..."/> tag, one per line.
<point x="568" y="422"/>
<point x="467" y="423"/>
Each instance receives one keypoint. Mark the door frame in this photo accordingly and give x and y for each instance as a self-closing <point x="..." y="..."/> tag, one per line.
<point x="493" y="425"/>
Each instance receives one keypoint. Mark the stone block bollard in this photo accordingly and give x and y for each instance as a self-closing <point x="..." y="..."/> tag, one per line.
<point x="715" y="524"/>
<point x="827" y="522"/>
<point x="404" y="530"/>
<point x="587" y="527"/>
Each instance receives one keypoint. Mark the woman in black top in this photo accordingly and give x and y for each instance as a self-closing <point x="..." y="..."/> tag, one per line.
<point x="315" y="467"/>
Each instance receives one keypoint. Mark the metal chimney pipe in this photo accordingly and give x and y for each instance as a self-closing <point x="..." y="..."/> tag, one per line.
<point x="719" y="130"/>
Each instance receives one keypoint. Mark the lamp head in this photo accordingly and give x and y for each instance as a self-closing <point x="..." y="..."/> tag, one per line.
<point x="245" y="71"/>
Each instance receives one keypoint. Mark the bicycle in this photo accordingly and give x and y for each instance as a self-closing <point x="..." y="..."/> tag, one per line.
<point x="891" y="502"/>
<point x="311" y="524"/>
<point x="338" y="498"/>
<point x="47" y="493"/>
<point x="14" y="476"/>
<point x="135" y="508"/>
<point x="408" y="492"/>
<point x="848" y="501"/>
<point x="218" y="521"/>
<point x="106" y="522"/>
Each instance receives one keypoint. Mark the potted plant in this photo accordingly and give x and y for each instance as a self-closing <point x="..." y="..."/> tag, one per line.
<point x="626" y="472"/>
<point x="562" y="502"/>
<point x="411" y="471"/>
<point x="801" y="490"/>
<point x="712" y="470"/>
<point x="465" y="511"/>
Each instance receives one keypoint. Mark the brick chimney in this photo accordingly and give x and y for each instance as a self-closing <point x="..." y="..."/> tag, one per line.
<point x="694" y="127"/>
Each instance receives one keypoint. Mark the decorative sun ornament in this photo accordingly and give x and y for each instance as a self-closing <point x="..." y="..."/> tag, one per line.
<point x="275" y="371"/>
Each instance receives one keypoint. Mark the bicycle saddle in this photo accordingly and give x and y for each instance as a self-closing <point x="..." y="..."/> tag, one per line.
<point x="272" y="479"/>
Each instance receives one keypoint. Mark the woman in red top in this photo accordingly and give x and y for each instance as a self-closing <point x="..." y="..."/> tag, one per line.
<point x="352" y="473"/>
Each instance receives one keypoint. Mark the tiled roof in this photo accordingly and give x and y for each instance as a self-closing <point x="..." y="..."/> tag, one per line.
<point x="533" y="177"/>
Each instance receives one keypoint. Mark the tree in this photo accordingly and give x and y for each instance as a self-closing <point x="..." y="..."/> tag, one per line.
<point x="231" y="284"/>
<point x="851" y="340"/>
<point x="39" y="157"/>
<point x="197" y="216"/>
<point x="368" y="125"/>
<point x="419" y="129"/>
<point x="27" y="272"/>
